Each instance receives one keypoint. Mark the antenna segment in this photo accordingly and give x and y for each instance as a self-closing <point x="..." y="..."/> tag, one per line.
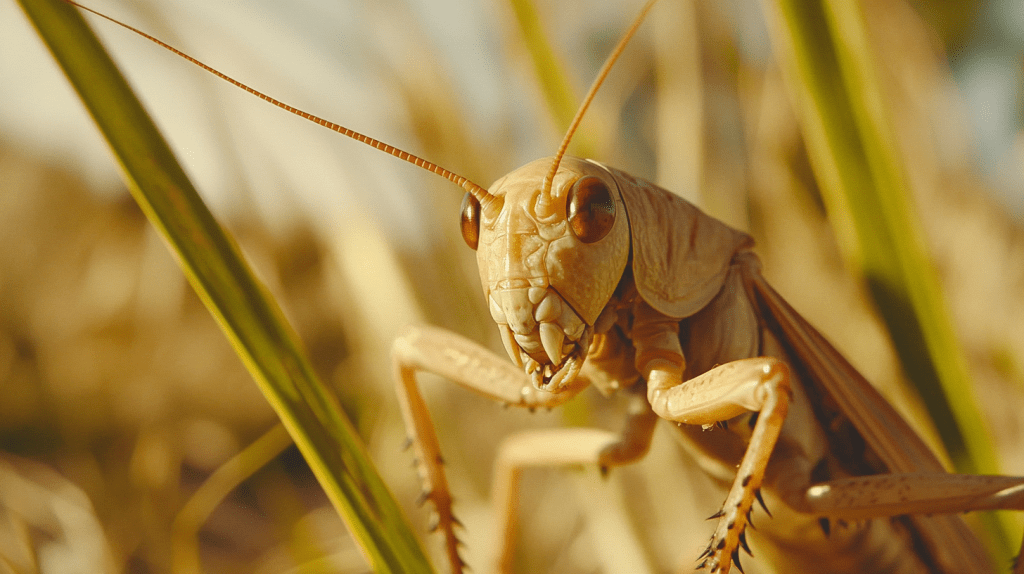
<point x="601" y="75"/>
<point x="481" y="194"/>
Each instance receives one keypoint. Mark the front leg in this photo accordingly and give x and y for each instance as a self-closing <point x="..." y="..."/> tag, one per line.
<point x="424" y="348"/>
<point x="758" y="385"/>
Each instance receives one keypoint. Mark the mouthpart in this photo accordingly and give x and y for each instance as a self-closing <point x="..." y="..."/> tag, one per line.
<point x="542" y="334"/>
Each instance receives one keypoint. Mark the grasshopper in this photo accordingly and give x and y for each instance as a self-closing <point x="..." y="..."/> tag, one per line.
<point x="596" y="277"/>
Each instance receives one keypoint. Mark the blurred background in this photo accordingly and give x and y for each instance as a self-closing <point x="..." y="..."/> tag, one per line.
<point x="120" y="397"/>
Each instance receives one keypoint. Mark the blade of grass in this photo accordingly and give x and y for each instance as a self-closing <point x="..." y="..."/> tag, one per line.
<point x="551" y="76"/>
<point x="249" y="317"/>
<point x="827" y="62"/>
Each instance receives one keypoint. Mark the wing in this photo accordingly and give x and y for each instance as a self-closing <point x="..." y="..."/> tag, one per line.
<point x="951" y="543"/>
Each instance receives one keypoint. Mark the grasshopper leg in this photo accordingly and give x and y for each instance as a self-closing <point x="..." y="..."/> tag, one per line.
<point x="536" y="449"/>
<point x="423" y="348"/>
<point x="760" y="385"/>
<point x="563" y="447"/>
<point x="884" y="495"/>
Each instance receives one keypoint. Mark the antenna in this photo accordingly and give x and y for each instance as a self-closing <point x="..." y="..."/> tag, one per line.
<point x="481" y="194"/>
<point x="545" y="195"/>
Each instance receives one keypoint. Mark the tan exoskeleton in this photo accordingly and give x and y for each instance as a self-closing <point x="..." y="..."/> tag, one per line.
<point x="595" y="277"/>
<point x="698" y="337"/>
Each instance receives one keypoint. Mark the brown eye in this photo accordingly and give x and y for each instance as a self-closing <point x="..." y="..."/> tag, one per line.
<point x="470" y="220"/>
<point x="590" y="209"/>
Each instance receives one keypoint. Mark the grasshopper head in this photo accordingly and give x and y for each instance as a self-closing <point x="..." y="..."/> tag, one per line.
<point x="549" y="264"/>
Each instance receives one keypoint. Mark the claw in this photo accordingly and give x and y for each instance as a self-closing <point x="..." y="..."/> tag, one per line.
<point x="757" y="493"/>
<point x="743" y="543"/>
<point x="511" y="347"/>
<point x="736" y="560"/>
<point x="552" y="337"/>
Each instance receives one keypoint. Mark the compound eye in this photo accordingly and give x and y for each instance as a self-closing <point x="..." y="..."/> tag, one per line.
<point x="590" y="209"/>
<point x="469" y="220"/>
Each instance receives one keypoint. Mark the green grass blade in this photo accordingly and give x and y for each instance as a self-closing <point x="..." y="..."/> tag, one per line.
<point x="248" y="315"/>
<point x="827" y="61"/>
<point x="551" y="76"/>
